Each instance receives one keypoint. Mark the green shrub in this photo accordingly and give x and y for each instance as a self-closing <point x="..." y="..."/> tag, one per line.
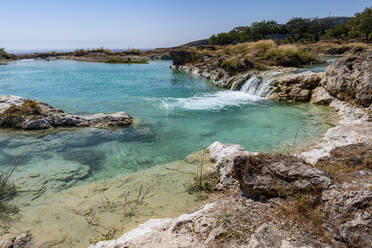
<point x="15" y="114"/>
<point x="80" y="52"/>
<point x="203" y="183"/>
<point x="132" y="52"/>
<point x="108" y="52"/>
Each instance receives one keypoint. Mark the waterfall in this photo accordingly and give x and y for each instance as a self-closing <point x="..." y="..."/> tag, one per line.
<point x="257" y="85"/>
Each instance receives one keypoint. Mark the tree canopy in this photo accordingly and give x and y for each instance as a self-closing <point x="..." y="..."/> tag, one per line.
<point x="301" y="29"/>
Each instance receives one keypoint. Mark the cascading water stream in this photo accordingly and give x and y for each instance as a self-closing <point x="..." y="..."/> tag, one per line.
<point x="245" y="90"/>
<point x="259" y="86"/>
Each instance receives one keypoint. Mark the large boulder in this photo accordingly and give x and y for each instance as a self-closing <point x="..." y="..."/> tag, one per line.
<point x="350" y="79"/>
<point x="224" y="156"/>
<point x="20" y="113"/>
<point x="181" y="57"/>
<point x="296" y="87"/>
<point x="264" y="176"/>
<point x="348" y="209"/>
<point x="321" y="96"/>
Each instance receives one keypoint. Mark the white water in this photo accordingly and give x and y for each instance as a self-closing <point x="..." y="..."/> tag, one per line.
<point x="216" y="101"/>
<point x="254" y="89"/>
<point x="259" y="86"/>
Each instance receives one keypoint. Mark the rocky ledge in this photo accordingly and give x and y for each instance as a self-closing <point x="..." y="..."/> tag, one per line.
<point x="347" y="79"/>
<point x="17" y="112"/>
<point x="278" y="201"/>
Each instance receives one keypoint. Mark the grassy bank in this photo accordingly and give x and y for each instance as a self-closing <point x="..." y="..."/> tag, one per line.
<point x="255" y="55"/>
<point x="126" y="61"/>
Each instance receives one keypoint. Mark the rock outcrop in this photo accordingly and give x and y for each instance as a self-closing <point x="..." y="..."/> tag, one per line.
<point x="354" y="128"/>
<point x="225" y="155"/>
<point x="170" y="233"/>
<point x="22" y="241"/>
<point x="349" y="213"/>
<point x="181" y="57"/>
<point x="264" y="176"/>
<point x="321" y="96"/>
<point x="17" y="112"/>
<point x="350" y="79"/>
<point x="296" y="87"/>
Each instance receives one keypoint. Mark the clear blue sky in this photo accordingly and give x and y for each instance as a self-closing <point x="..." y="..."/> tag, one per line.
<point x="62" y="24"/>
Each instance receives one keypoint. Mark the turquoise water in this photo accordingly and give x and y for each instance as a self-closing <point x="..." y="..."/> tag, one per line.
<point x="176" y="114"/>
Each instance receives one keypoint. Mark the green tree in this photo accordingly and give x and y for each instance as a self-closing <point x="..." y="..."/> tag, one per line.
<point x="222" y="38"/>
<point x="264" y="29"/>
<point x="297" y="28"/>
<point x="243" y="33"/>
<point x="361" y="24"/>
<point x="339" y="32"/>
<point x="317" y="28"/>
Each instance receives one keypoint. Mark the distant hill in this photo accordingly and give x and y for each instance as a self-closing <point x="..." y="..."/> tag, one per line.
<point x="203" y="42"/>
<point x="336" y="20"/>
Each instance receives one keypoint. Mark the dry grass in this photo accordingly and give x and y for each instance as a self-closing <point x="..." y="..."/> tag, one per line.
<point x="126" y="61"/>
<point x="304" y="212"/>
<point x="259" y="55"/>
<point x="15" y="114"/>
<point x="329" y="47"/>
<point x="347" y="159"/>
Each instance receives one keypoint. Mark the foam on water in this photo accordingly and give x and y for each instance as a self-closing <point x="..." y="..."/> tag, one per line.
<point x="216" y="101"/>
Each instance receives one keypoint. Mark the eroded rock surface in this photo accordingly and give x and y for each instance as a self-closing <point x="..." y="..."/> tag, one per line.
<point x="181" y="57"/>
<point x="321" y="96"/>
<point x="17" y="112"/>
<point x="170" y="233"/>
<point x="349" y="213"/>
<point x="350" y="79"/>
<point x="262" y="176"/>
<point x="296" y="88"/>
<point x="225" y="155"/>
<point x="22" y="241"/>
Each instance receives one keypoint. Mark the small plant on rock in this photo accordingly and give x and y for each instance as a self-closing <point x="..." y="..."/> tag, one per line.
<point x="202" y="184"/>
<point x="7" y="193"/>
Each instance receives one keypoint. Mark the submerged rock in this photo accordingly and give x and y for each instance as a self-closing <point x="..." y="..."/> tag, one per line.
<point x="20" y="113"/>
<point x="22" y="241"/>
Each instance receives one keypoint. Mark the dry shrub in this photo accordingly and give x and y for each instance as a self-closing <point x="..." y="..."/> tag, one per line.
<point x="15" y="114"/>
<point x="347" y="159"/>
<point x="305" y="209"/>
<point x="264" y="45"/>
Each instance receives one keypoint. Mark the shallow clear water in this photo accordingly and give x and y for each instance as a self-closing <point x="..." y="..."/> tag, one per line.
<point x="176" y="113"/>
<point x="319" y="67"/>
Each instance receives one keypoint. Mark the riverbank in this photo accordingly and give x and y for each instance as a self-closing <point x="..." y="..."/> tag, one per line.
<point x="317" y="198"/>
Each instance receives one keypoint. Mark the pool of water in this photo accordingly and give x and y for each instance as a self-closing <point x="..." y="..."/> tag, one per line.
<point x="78" y="177"/>
<point x="176" y="114"/>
